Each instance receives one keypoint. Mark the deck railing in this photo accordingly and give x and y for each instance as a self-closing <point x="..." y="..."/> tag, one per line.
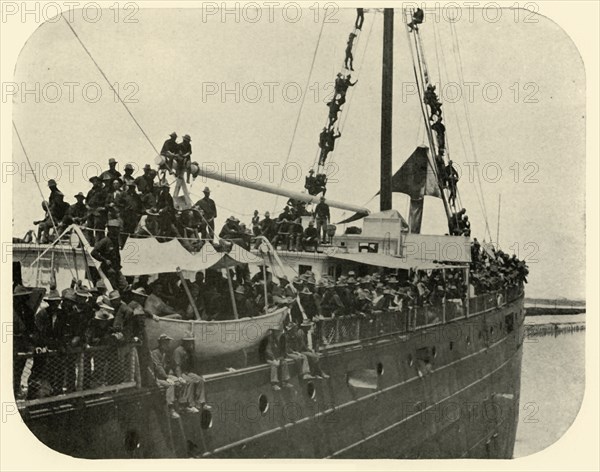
<point x="339" y="330"/>
<point x="45" y="375"/>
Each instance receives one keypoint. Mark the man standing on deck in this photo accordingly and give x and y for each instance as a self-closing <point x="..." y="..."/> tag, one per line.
<point x="183" y="366"/>
<point x="128" y="176"/>
<point x="111" y="174"/>
<point x="95" y="201"/>
<point x="184" y="157"/>
<point x="322" y="216"/>
<point x="145" y="183"/>
<point x="107" y="252"/>
<point x="166" y="210"/>
<point x="131" y="212"/>
<point x="208" y="206"/>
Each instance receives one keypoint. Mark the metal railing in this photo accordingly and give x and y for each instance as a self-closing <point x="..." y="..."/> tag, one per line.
<point x="330" y="332"/>
<point x="51" y="374"/>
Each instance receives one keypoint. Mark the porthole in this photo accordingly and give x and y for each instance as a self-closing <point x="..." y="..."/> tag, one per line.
<point x="492" y="331"/>
<point x="311" y="390"/>
<point x="468" y="340"/>
<point x="132" y="440"/>
<point x="410" y="360"/>
<point x="206" y="419"/>
<point x="263" y="403"/>
<point x="379" y="368"/>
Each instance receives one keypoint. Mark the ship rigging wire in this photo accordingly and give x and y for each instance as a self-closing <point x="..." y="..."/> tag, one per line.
<point x="37" y="183"/>
<point x="312" y="65"/>
<point x="110" y="85"/>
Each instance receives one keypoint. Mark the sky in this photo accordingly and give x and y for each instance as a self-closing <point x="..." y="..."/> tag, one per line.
<point x="173" y="67"/>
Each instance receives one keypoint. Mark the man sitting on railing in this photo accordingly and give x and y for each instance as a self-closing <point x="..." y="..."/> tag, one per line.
<point x="272" y="353"/>
<point x="160" y="366"/>
<point x="193" y="394"/>
<point x="291" y="350"/>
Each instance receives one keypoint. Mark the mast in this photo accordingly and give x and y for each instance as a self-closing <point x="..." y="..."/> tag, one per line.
<point x="385" y="202"/>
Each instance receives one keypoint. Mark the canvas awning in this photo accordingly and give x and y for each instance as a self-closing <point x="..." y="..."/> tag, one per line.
<point x="147" y="256"/>
<point x="391" y="262"/>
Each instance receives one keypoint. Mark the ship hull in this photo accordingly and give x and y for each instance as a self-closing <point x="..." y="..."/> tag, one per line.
<point x="445" y="391"/>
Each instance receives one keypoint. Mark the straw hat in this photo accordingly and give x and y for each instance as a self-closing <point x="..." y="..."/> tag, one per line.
<point x="164" y="337"/>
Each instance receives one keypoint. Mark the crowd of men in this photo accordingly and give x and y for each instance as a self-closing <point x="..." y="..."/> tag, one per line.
<point x="84" y="317"/>
<point x="287" y="230"/>
<point x="493" y="269"/>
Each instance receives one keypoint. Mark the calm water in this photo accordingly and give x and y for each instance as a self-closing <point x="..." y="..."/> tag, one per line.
<point x="552" y="387"/>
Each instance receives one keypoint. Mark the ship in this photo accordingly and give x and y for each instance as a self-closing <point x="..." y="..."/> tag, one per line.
<point x="426" y="381"/>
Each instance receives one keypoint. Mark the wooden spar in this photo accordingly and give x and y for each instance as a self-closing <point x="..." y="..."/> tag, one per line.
<point x="262" y="187"/>
<point x="188" y="293"/>
<point x="232" y="296"/>
<point x="387" y="80"/>
<point x="264" y="269"/>
<point x="498" y="225"/>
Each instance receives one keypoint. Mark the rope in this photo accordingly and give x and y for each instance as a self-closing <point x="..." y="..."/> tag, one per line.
<point x="312" y="64"/>
<point x="110" y="85"/>
<point x="37" y="183"/>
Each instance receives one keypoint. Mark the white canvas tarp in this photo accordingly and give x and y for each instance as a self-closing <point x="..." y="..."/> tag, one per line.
<point x="148" y="256"/>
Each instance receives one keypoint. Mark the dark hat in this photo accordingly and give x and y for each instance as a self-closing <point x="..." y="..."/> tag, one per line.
<point x="80" y="195"/>
<point x="112" y="161"/>
<point x="128" y="166"/>
<point x="240" y="289"/>
<point x="186" y="137"/>
<point x="53" y="296"/>
<point x="52" y="183"/>
<point x="94" y="178"/>
<point x="165" y="337"/>
<point x="69" y="294"/>
<point x="103" y="315"/>
<point x="173" y="134"/>
<point x="206" y="190"/>
<point x="20" y="291"/>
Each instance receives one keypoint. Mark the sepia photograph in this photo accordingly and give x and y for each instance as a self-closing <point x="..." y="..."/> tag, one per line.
<point x="281" y="230"/>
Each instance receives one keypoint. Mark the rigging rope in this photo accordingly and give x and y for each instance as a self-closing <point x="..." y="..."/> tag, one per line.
<point x="312" y="65"/>
<point x="110" y="85"/>
<point x="37" y="183"/>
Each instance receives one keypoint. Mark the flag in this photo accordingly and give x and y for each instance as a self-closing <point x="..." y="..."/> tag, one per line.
<point x="416" y="177"/>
